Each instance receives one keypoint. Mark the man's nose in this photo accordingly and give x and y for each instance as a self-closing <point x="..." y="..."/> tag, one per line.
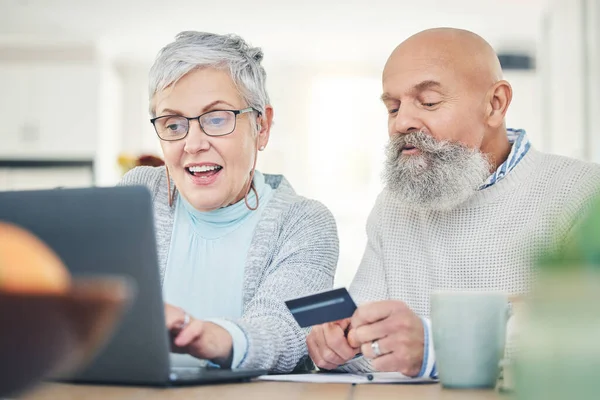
<point x="406" y="121"/>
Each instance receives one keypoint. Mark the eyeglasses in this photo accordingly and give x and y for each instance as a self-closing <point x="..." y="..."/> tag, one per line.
<point x="213" y="123"/>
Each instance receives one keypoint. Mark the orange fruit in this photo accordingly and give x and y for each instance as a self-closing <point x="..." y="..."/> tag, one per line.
<point x="28" y="265"/>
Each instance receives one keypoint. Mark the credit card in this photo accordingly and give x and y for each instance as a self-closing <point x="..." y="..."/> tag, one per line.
<point x="322" y="307"/>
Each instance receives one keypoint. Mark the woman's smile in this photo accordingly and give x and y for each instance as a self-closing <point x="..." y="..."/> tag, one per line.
<point x="204" y="173"/>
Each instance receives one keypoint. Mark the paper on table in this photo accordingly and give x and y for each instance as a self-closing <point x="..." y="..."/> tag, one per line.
<point x="329" y="377"/>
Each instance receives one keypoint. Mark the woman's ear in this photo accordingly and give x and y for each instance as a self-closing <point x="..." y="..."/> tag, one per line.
<point x="499" y="98"/>
<point x="265" y="121"/>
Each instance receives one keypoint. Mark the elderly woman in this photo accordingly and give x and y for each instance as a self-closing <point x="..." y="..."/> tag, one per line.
<point x="233" y="243"/>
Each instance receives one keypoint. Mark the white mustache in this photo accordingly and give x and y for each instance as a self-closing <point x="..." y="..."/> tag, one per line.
<point x="423" y="141"/>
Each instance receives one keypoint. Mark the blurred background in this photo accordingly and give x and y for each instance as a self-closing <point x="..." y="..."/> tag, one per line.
<point x="73" y="85"/>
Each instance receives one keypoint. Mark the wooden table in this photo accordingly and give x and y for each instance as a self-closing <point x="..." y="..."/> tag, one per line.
<point x="260" y="390"/>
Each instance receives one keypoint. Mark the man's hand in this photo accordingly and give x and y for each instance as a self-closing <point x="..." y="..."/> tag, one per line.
<point x="328" y="346"/>
<point x="398" y="331"/>
<point x="201" y="339"/>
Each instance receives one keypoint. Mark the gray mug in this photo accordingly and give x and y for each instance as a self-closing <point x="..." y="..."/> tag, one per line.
<point x="469" y="332"/>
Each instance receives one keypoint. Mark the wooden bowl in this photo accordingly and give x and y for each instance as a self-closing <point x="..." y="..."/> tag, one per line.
<point x="56" y="334"/>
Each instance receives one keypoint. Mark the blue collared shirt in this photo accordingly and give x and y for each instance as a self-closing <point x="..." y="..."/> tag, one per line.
<point x="520" y="147"/>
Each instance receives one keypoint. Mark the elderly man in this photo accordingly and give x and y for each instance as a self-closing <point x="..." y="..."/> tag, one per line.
<point x="467" y="204"/>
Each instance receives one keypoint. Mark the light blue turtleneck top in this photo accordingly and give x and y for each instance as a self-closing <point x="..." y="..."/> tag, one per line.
<point x="206" y="262"/>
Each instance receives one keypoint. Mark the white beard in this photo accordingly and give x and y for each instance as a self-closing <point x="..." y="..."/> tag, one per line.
<point x="441" y="177"/>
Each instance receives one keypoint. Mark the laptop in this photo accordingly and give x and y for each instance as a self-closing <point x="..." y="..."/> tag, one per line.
<point x="111" y="231"/>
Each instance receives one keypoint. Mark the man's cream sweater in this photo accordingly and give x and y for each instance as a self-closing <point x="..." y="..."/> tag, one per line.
<point x="488" y="243"/>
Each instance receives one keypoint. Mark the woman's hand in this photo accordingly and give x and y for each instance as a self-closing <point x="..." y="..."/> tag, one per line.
<point x="201" y="339"/>
<point x="175" y="318"/>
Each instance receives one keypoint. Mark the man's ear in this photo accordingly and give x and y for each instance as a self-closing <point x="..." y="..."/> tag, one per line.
<point x="498" y="99"/>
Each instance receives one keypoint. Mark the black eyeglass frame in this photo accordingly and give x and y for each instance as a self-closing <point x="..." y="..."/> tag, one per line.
<point x="235" y="112"/>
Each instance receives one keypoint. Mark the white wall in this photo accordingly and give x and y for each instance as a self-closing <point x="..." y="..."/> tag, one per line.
<point x="49" y="98"/>
<point x="592" y="23"/>
<point x="110" y="126"/>
<point x="49" y="112"/>
<point x="525" y="109"/>
<point x="570" y="76"/>
<point x="137" y="136"/>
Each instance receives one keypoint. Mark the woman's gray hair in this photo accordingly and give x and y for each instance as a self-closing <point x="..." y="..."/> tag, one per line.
<point x="192" y="50"/>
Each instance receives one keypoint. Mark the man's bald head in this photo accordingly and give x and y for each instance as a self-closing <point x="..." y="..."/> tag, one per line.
<point x="446" y="102"/>
<point x="465" y="52"/>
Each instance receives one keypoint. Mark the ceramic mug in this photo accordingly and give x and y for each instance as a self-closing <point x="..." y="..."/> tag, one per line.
<point x="469" y="333"/>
